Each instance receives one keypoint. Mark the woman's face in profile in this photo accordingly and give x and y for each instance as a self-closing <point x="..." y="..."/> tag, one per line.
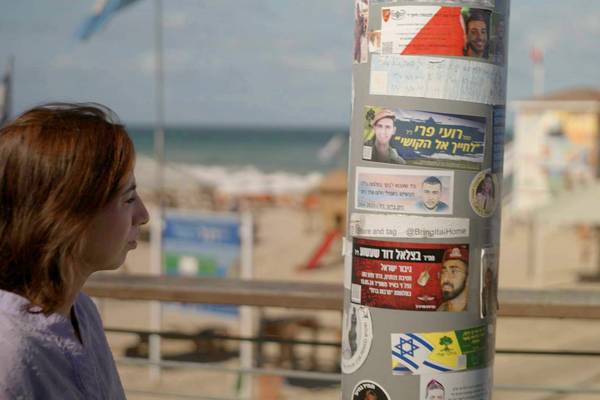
<point x="114" y="230"/>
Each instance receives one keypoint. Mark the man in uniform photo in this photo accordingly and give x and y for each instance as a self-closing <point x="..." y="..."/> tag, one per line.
<point x="385" y="129"/>
<point x="453" y="279"/>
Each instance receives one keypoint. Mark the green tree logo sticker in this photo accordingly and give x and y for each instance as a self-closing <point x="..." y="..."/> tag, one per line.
<point x="446" y="341"/>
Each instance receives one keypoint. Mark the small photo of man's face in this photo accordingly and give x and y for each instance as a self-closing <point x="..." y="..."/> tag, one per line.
<point x="477" y="36"/>
<point x="453" y="278"/>
<point x="384" y="130"/>
<point x="371" y="396"/>
<point x="432" y="193"/>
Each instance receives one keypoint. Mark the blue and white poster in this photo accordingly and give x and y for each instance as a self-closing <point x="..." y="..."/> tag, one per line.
<point x="202" y="245"/>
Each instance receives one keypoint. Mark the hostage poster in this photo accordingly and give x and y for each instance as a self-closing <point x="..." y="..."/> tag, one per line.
<point x="448" y="141"/>
<point x="410" y="276"/>
<point x="475" y="33"/>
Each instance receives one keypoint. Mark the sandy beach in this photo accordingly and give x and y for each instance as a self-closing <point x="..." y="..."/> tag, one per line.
<point x="286" y="236"/>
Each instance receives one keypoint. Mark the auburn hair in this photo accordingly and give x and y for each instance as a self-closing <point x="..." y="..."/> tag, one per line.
<point x="60" y="164"/>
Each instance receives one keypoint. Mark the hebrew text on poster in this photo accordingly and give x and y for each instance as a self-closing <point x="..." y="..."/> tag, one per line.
<point x="426" y="353"/>
<point x="404" y="191"/>
<point x="445" y="31"/>
<point x="396" y="136"/>
<point x="410" y="276"/>
<point x="417" y="76"/>
<point x="467" y="385"/>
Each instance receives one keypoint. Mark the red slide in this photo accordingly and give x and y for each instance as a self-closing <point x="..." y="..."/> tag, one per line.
<point x="321" y="250"/>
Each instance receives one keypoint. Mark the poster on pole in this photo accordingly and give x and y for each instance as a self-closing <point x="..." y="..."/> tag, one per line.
<point x="410" y="276"/>
<point x="415" y="191"/>
<point x="428" y="77"/>
<point x="469" y="32"/>
<point x="448" y="141"/>
<point x="407" y="227"/>
<point x="202" y="245"/>
<point x="431" y="352"/>
<point x="467" y="385"/>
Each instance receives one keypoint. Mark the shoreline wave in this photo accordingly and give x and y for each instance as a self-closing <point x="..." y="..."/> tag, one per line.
<point x="234" y="181"/>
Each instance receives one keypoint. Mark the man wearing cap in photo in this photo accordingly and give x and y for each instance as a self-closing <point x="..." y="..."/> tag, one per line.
<point x="453" y="279"/>
<point x="383" y="125"/>
<point x="434" y="391"/>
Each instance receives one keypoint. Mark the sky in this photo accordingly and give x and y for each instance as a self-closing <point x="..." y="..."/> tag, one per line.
<point x="250" y="62"/>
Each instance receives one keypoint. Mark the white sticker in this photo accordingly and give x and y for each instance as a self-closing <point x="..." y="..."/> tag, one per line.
<point x="405" y="191"/>
<point x="470" y="385"/>
<point x="404" y="226"/>
<point x="484" y="3"/>
<point x="488" y="284"/>
<point x="358" y="335"/>
<point x="379" y="81"/>
<point x="347" y="263"/>
<point x="422" y="76"/>
<point x="369" y="390"/>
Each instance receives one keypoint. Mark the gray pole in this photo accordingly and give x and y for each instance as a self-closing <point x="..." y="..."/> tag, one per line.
<point x="425" y="175"/>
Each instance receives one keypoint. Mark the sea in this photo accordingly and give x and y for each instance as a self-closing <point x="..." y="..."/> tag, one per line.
<point x="229" y="157"/>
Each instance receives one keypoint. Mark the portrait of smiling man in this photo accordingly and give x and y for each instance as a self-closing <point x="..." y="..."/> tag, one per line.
<point x="477" y="32"/>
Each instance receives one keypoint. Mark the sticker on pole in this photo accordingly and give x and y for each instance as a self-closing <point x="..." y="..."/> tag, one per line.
<point x="437" y="78"/>
<point x="404" y="191"/>
<point x="489" y="282"/>
<point x="434" y="352"/>
<point x="482" y="3"/>
<point x="396" y="136"/>
<point x="468" y="385"/>
<point x="405" y="226"/>
<point x="445" y="31"/>
<point x="410" y="276"/>
<point x="361" y="22"/>
<point x="369" y="390"/>
<point x="484" y="193"/>
<point x="358" y="335"/>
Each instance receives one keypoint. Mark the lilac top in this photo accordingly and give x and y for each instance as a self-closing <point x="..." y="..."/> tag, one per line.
<point x="41" y="357"/>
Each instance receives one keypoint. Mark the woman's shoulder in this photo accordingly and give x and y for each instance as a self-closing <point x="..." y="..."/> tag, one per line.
<point x="35" y="361"/>
<point x="86" y="308"/>
<point x="23" y="357"/>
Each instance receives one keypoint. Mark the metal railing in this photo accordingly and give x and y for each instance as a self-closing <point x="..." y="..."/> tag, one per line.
<point x="582" y="304"/>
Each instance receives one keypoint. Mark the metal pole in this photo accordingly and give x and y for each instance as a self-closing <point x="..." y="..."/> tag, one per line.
<point x="159" y="150"/>
<point x="247" y="314"/>
<point x="424" y="191"/>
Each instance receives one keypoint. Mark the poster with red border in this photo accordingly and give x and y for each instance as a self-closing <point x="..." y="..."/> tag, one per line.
<point x="401" y="276"/>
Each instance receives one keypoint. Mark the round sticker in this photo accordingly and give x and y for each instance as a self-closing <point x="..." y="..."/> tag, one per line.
<point x="483" y="193"/>
<point x="357" y="337"/>
<point x="369" y="390"/>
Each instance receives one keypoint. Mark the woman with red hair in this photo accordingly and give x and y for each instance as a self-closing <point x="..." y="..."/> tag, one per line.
<point x="68" y="208"/>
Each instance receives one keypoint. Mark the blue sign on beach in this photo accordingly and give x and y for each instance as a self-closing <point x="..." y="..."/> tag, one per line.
<point x="202" y="245"/>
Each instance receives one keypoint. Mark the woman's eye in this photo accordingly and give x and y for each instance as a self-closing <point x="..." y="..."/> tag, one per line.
<point x="129" y="201"/>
